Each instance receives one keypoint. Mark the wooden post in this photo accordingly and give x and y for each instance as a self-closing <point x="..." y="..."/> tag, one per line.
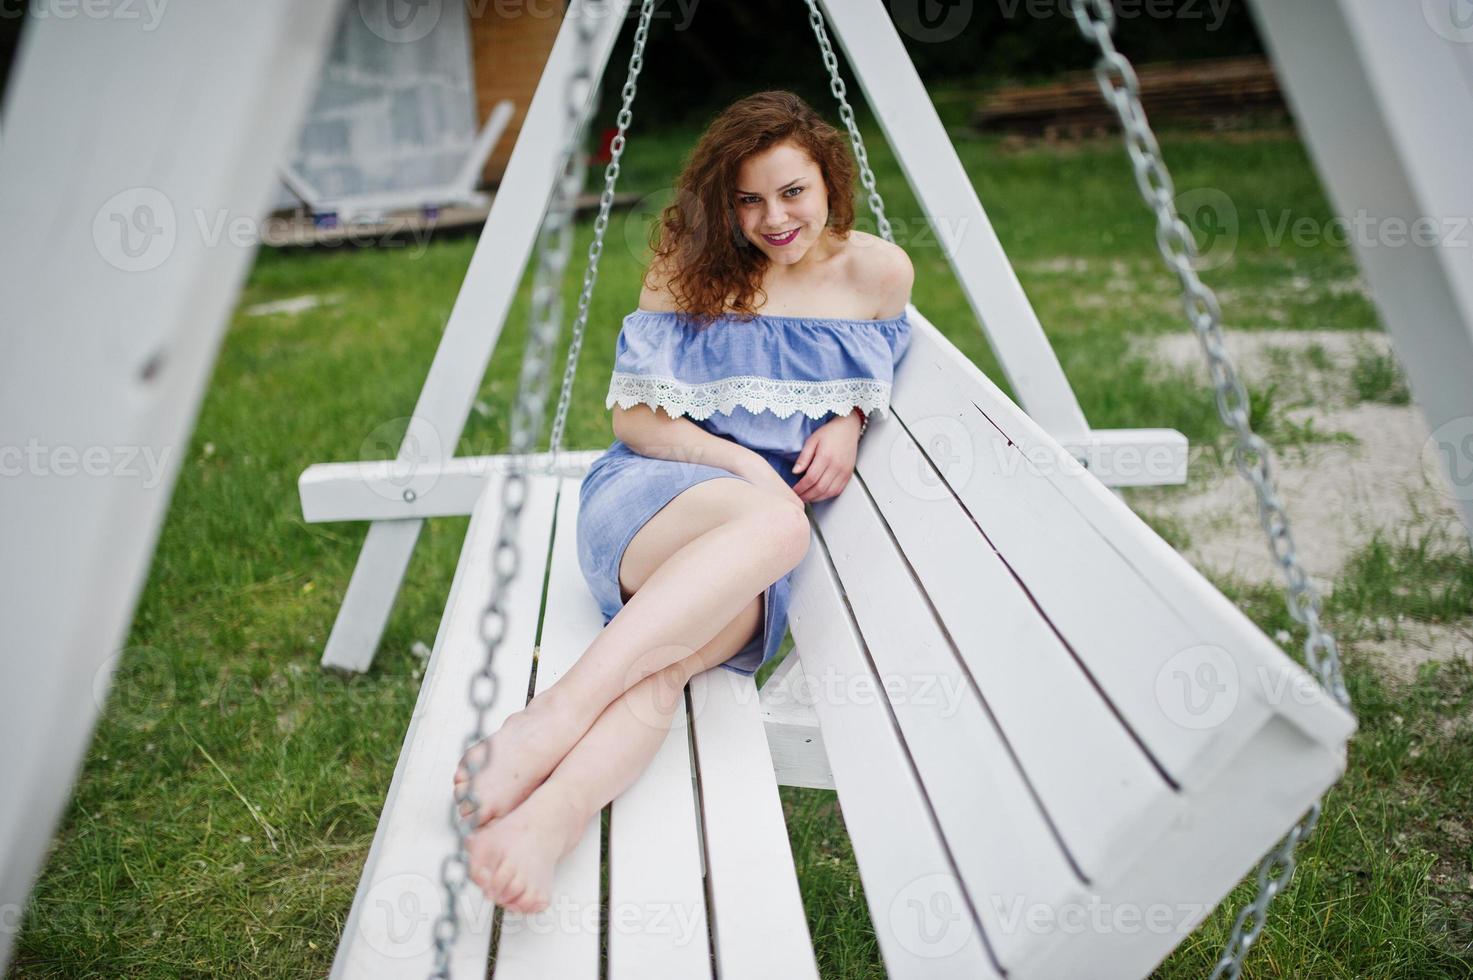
<point x="1381" y="93"/>
<point x="139" y="157"/>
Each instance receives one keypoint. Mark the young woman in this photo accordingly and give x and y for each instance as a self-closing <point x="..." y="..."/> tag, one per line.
<point x="767" y="330"/>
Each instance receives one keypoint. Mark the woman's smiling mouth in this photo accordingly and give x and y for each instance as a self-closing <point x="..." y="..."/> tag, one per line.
<point x="782" y="239"/>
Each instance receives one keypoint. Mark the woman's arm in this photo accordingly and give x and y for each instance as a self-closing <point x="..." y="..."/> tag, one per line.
<point x="654" y="433"/>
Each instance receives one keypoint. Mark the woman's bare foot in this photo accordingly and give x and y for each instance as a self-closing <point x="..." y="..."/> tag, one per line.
<point x="513" y="857"/>
<point x="524" y="751"/>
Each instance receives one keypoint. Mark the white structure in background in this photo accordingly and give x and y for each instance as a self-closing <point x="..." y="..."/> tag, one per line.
<point x="393" y="123"/>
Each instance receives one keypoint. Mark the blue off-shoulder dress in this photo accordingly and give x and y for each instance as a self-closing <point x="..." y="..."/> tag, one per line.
<point x="766" y="382"/>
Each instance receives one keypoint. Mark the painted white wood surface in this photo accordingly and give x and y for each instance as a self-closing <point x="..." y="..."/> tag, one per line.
<point x="923" y="918"/>
<point x="563" y="939"/>
<point x="1059" y="623"/>
<point x="659" y="927"/>
<point x="1383" y="95"/>
<point x="997" y="831"/>
<point x="122" y="206"/>
<point x="1132" y="457"/>
<point x="758" y="926"/>
<point x="1100" y="790"/>
<point x="389" y="931"/>
<point x="375" y="490"/>
<point x="793" y="732"/>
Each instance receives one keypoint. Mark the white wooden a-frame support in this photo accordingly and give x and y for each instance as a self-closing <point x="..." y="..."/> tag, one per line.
<point x="1383" y="94"/>
<point x="130" y="143"/>
<point x="879" y="61"/>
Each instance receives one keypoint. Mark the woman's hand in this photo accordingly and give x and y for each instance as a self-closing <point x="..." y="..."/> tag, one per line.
<point x="827" y="459"/>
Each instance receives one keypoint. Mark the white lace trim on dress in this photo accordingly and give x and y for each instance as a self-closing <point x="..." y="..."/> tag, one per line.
<point x="754" y="393"/>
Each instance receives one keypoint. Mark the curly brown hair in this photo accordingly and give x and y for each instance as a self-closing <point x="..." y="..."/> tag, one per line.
<point x="698" y="236"/>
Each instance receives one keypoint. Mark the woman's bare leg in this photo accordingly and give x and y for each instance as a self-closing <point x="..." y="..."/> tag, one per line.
<point x="727" y="541"/>
<point x="513" y="857"/>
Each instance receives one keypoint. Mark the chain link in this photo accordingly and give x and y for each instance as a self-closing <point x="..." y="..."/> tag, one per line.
<point x="1251" y="455"/>
<point x="553" y="248"/>
<point x="600" y="225"/>
<point x="836" y="85"/>
<point x="846" y="113"/>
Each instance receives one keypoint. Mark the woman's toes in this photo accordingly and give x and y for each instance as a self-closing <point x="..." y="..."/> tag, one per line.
<point x="501" y="881"/>
<point x="513" y="892"/>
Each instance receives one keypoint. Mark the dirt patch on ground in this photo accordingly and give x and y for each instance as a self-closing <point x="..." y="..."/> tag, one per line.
<point x="1409" y="644"/>
<point x="1376" y="471"/>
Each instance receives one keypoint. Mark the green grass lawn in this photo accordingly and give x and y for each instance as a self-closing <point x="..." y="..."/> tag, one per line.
<point x="232" y="787"/>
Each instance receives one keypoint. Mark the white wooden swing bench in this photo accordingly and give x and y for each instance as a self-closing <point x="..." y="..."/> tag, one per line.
<point x="995" y="652"/>
<point x="1041" y="721"/>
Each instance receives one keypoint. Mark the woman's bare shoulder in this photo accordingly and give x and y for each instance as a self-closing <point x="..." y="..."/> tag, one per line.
<point x="882" y="271"/>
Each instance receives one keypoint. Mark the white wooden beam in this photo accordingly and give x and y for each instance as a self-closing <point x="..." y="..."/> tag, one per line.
<point x="1383" y="95"/>
<point x="898" y="98"/>
<point x="794" y="738"/>
<point x="475" y="325"/>
<point x="384" y="490"/>
<point x="130" y="142"/>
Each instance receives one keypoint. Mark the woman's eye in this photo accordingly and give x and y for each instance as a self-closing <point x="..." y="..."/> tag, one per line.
<point x="790" y="192"/>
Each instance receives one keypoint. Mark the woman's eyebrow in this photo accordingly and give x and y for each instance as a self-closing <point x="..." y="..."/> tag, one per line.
<point x="783" y="187"/>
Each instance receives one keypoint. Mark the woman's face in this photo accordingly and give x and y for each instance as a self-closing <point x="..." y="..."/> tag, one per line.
<point x="781" y="202"/>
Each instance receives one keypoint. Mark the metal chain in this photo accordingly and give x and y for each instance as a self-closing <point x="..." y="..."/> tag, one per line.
<point x="836" y="85"/>
<point x="846" y="113"/>
<point x="554" y="247"/>
<point x="600" y="224"/>
<point x="1252" y="456"/>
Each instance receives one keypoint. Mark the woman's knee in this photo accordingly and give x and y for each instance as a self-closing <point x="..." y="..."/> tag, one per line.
<point x="791" y="530"/>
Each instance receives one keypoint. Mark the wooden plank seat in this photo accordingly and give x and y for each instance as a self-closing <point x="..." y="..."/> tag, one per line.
<point x="1055" y="744"/>
<point x="701" y="879"/>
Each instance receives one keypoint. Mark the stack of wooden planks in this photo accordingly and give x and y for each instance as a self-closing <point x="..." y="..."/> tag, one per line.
<point x="1215" y="92"/>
